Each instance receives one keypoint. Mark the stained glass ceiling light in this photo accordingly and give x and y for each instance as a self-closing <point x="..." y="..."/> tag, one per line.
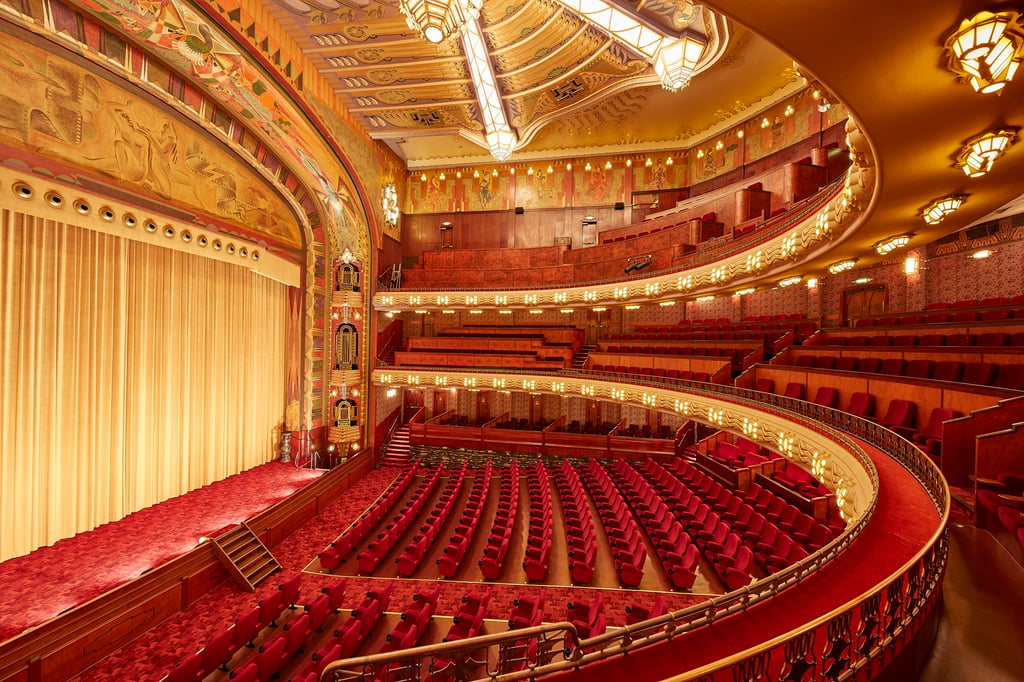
<point x="437" y="20"/>
<point x="935" y="212"/>
<point x="674" y="59"/>
<point x="979" y="153"/>
<point x="986" y="49"/>
<point x="499" y="135"/>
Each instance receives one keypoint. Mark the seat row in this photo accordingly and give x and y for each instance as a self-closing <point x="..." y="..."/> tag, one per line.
<point x="660" y="372"/>
<point x="992" y="339"/>
<point x="455" y="551"/>
<point x="359" y="529"/>
<point x="540" y="526"/>
<point x="579" y="523"/>
<point x="385" y="541"/>
<point x="733" y="354"/>
<point x="673" y="544"/>
<point x="413" y="554"/>
<point x="500" y="537"/>
<point x="1004" y="375"/>
<point x="629" y="553"/>
<point x="941" y="317"/>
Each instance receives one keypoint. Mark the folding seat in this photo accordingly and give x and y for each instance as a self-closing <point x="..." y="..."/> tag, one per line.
<point x="527" y="611"/>
<point x="931" y="340"/>
<point x="805" y="361"/>
<point x="930" y="437"/>
<point x="981" y="373"/>
<point x="993" y="301"/>
<point x="899" y="417"/>
<point x="938" y="305"/>
<point x="964" y="339"/>
<point x="831" y="340"/>
<point x="820" y="536"/>
<point x="862" y="405"/>
<point x="187" y="670"/>
<point x="880" y="340"/>
<point x="795" y="389"/>
<point x="785" y="518"/>
<point x="349" y="636"/>
<point x="245" y="628"/>
<point x="827" y="396"/>
<point x="869" y="365"/>
<point x="948" y="370"/>
<point x="737" y="574"/>
<point x="1014" y="300"/>
<point x="588" y="617"/>
<point x="995" y="315"/>
<point x="765" y="385"/>
<point x="965" y="316"/>
<point x="895" y="366"/>
<point x="905" y="340"/>
<point x="888" y="321"/>
<point x="270" y="608"/>
<point x="825" y="362"/>
<point x="290" y="591"/>
<point x="786" y="553"/>
<point x="858" y="340"/>
<point x="247" y="673"/>
<point x="774" y="508"/>
<point x="636" y="613"/>
<point x="271" y="657"/>
<point x="936" y="318"/>
<point x="864" y="322"/>
<point x="1010" y="376"/>
<point x="217" y="652"/>
<point x="965" y="303"/>
<point x="847" y="363"/>
<point x="295" y="632"/>
<point x="993" y="339"/>
<point x="1017" y="339"/>
<point x="582" y="570"/>
<point x="801" y="527"/>
<point x="327" y="654"/>
<point x="682" y="567"/>
<point x="909" y="320"/>
<point x="318" y="612"/>
<point x="920" y="369"/>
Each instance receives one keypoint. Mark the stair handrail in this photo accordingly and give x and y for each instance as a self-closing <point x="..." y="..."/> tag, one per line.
<point x="396" y="419"/>
<point x="388" y="337"/>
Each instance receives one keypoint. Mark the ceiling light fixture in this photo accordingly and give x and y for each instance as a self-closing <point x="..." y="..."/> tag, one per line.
<point x="501" y="140"/>
<point x="986" y="49"/>
<point x="841" y="266"/>
<point x="790" y="281"/>
<point x="979" y="153"/>
<point x="437" y="20"/>
<point x="674" y="59"/>
<point x="887" y="246"/>
<point x="935" y="212"/>
<point x="707" y="297"/>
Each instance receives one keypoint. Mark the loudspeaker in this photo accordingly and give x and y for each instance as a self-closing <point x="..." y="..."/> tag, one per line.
<point x="519" y="210"/>
<point x="620" y="206"/>
<point x="982" y="231"/>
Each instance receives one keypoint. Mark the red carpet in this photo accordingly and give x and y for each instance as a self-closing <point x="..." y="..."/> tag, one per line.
<point x="72" y="571"/>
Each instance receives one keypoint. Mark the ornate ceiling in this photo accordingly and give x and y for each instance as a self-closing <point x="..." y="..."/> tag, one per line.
<point x="564" y="84"/>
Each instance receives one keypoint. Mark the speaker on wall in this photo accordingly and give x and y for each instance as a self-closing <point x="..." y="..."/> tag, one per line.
<point x="620" y="206"/>
<point x="519" y="210"/>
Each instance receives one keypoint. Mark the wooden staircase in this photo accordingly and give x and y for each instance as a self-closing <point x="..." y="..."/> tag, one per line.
<point x="245" y="556"/>
<point x="581" y="356"/>
<point x="398" y="453"/>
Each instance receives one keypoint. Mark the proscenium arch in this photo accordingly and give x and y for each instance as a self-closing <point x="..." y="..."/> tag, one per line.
<point x="843" y="470"/>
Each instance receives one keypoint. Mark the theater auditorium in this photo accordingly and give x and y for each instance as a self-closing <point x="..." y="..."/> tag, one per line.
<point x="539" y="339"/>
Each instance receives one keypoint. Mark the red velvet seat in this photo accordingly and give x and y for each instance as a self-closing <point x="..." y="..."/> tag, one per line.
<point x="870" y="365"/>
<point x="920" y="369"/>
<point x="187" y="670"/>
<point x="962" y="339"/>
<point x="825" y="362"/>
<point x="929" y="438"/>
<point x="858" y="340"/>
<point x="993" y="301"/>
<point x="900" y="416"/>
<point x="908" y="320"/>
<point x="948" y="370"/>
<point x="864" y="322"/>
<point x="938" y="305"/>
<point x="965" y="316"/>
<point x="993" y="339"/>
<point x="827" y="396"/>
<point x="847" y="363"/>
<point x="880" y="340"/>
<point x="894" y="366"/>
<point x="887" y="321"/>
<point x="981" y="373"/>
<point x="905" y="340"/>
<point x="936" y="318"/>
<point x="247" y="673"/>
<point x="795" y="389"/>
<point x="965" y="303"/>
<point x="995" y="315"/>
<point x="931" y="340"/>
<point x="1010" y="376"/>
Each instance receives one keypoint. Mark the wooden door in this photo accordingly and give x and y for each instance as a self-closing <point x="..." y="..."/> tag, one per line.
<point x="863" y="301"/>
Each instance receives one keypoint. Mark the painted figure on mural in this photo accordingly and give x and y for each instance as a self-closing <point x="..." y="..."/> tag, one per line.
<point x="484" y="192"/>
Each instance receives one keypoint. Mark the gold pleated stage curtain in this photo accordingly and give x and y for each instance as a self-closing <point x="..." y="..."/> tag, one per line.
<point x="130" y="374"/>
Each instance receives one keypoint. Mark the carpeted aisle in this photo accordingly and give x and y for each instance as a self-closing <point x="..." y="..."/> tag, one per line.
<point x="53" y="579"/>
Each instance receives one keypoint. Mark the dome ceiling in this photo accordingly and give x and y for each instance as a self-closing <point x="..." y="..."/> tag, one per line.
<point x="566" y="87"/>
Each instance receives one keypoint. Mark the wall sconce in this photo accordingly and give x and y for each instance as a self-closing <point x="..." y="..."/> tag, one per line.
<point x="910" y="265"/>
<point x="707" y="297"/>
<point x="790" y="281"/>
<point x="935" y="212"/>
<point x="887" y="246"/>
<point x="986" y="50"/>
<point x="983" y="253"/>
<point x="812" y="283"/>
<point x="979" y="153"/>
<point x="841" y="266"/>
<point x="744" y="292"/>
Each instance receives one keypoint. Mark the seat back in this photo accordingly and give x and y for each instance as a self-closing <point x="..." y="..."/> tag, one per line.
<point x="871" y="365"/>
<point x="1010" y="376"/>
<point x="948" y="370"/>
<point x="896" y="366"/>
<point x="920" y="369"/>
<point x="827" y="396"/>
<point x="981" y="373"/>
<point x="862" y="404"/>
<point x="795" y="389"/>
<point x="847" y="363"/>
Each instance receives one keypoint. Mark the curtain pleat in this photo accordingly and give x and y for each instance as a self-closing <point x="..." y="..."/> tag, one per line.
<point x="130" y="374"/>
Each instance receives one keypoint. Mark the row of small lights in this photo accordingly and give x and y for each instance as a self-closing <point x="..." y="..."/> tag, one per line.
<point x="55" y="199"/>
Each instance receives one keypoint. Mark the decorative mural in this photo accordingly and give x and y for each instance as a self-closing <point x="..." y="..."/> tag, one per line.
<point x="49" y="104"/>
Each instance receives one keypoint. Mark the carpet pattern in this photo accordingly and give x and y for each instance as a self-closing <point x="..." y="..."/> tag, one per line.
<point x="52" y="579"/>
